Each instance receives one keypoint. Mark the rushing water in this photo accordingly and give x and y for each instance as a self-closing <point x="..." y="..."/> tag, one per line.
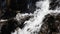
<point x="33" y="25"/>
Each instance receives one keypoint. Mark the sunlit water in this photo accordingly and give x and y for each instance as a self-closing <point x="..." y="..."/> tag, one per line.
<point x="33" y="25"/>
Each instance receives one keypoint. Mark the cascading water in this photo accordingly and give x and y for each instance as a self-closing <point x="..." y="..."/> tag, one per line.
<point x="33" y="25"/>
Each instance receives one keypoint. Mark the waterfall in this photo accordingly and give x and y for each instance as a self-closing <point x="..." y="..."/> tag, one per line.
<point x="33" y="25"/>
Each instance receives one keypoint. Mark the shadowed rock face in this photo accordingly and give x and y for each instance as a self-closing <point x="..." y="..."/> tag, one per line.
<point x="9" y="26"/>
<point x="54" y="4"/>
<point x="25" y="6"/>
<point x="51" y="24"/>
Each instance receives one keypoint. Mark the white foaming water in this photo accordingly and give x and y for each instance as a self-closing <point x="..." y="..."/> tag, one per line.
<point x="33" y="25"/>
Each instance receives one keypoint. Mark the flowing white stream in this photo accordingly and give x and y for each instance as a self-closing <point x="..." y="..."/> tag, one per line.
<point x="33" y="25"/>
